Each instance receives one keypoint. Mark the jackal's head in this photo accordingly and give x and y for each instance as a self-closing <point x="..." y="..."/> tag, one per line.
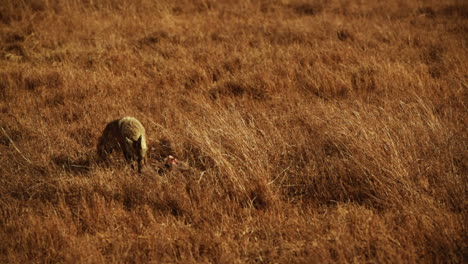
<point x="139" y="148"/>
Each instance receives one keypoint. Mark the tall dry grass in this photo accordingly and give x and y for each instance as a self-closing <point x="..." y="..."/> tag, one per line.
<point x="316" y="131"/>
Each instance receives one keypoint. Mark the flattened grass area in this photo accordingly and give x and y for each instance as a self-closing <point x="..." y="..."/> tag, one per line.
<point x="314" y="131"/>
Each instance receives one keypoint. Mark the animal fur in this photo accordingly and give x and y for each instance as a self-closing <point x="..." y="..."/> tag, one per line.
<point x="126" y="134"/>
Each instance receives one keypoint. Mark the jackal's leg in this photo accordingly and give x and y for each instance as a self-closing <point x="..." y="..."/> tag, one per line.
<point x="129" y="157"/>
<point x="140" y="164"/>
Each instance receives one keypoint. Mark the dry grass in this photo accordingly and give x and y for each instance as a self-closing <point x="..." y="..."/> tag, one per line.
<point x="316" y="131"/>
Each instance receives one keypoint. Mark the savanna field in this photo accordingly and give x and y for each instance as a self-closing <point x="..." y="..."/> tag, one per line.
<point x="312" y="131"/>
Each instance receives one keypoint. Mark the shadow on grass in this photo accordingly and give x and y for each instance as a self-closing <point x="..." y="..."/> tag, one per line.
<point x="78" y="166"/>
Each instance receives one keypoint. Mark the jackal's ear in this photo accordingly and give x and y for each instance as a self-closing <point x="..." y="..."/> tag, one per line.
<point x="129" y="141"/>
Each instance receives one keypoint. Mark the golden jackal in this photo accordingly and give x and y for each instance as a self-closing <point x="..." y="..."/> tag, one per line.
<point x="126" y="134"/>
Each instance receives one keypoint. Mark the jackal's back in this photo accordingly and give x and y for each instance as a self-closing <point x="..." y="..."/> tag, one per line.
<point x="131" y="128"/>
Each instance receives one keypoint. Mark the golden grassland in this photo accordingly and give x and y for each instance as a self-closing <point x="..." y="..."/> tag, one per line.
<point x="316" y="131"/>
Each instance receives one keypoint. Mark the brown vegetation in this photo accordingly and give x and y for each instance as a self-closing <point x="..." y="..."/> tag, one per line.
<point x="316" y="131"/>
